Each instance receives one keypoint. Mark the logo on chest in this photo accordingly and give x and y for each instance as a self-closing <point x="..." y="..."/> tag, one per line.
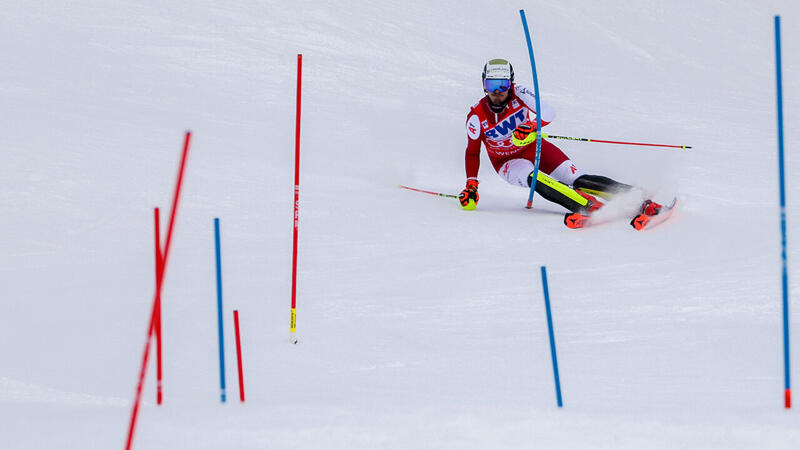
<point x="504" y="128"/>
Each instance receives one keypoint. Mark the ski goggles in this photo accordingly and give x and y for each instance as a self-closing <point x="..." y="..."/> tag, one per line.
<point x="495" y="86"/>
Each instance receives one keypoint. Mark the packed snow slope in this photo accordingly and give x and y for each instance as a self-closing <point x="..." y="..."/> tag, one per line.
<point x="420" y="325"/>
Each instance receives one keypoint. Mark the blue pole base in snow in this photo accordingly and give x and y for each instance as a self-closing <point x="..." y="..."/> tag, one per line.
<point x="552" y="336"/>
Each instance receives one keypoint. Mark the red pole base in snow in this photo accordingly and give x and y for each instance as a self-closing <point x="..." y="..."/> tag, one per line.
<point x="788" y="398"/>
<point x="239" y="354"/>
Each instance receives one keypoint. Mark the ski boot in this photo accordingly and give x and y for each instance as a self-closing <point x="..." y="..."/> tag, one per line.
<point x="578" y="219"/>
<point x="649" y="209"/>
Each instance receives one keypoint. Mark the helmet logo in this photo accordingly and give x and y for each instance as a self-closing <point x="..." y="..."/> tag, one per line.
<point x="498" y="72"/>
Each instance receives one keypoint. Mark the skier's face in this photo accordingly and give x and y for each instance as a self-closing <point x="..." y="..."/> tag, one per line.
<point x="498" y="98"/>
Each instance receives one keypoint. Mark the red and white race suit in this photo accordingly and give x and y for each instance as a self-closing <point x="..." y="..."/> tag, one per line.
<point x="494" y="130"/>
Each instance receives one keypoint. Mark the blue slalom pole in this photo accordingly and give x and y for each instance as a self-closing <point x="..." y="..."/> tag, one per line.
<point x="219" y="312"/>
<point x="538" y="109"/>
<point x="787" y="382"/>
<point x="552" y="336"/>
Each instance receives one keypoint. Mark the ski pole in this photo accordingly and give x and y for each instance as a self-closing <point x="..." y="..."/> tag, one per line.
<point x="427" y="192"/>
<point x="550" y="136"/>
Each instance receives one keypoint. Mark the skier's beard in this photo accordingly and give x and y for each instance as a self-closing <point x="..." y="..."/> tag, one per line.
<point x="498" y="108"/>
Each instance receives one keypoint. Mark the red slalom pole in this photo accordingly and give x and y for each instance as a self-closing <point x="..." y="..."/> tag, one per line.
<point x="239" y="354"/>
<point x="157" y="296"/>
<point x="159" y="396"/>
<point x="293" y="318"/>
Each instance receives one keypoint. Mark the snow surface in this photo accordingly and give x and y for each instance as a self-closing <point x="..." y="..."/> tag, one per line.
<point x="420" y="325"/>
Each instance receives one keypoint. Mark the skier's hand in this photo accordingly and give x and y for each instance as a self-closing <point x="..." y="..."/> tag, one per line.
<point x="524" y="134"/>
<point x="469" y="196"/>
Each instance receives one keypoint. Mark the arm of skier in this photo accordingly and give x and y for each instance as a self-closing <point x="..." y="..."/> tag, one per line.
<point x="525" y="95"/>
<point x="524" y="133"/>
<point x="472" y="162"/>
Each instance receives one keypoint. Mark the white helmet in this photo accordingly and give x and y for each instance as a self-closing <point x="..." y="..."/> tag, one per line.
<point x="498" y="75"/>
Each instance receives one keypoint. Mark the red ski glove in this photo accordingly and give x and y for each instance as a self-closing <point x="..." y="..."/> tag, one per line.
<point x="469" y="196"/>
<point x="524" y="134"/>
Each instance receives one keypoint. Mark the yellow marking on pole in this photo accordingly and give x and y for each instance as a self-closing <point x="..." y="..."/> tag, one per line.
<point x="292" y="326"/>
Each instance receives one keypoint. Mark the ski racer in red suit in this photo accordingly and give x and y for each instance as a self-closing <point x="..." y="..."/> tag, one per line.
<point x="505" y="122"/>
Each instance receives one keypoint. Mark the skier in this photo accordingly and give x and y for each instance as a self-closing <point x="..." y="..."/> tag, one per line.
<point x="504" y="120"/>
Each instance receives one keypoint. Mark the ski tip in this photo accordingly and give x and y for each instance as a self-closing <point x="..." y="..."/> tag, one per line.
<point x="673" y="203"/>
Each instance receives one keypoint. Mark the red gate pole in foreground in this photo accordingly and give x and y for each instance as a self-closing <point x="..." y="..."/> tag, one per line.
<point x="239" y="354"/>
<point x="293" y="319"/>
<point x="157" y="296"/>
<point x="159" y="396"/>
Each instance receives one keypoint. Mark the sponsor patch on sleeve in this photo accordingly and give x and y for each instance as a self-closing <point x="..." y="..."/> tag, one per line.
<point x="473" y="127"/>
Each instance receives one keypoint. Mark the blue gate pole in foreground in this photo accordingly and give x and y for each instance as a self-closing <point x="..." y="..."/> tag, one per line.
<point x="785" y="281"/>
<point x="552" y="336"/>
<point x="219" y="312"/>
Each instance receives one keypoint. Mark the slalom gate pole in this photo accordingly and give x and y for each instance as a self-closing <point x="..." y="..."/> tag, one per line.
<point x="239" y="354"/>
<point x="552" y="336"/>
<point x="785" y="277"/>
<point x="428" y="192"/>
<point x="157" y="295"/>
<point x="293" y="317"/>
<point x="159" y="363"/>
<point x="538" y="108"/>
<point x="550" y="136"/>
<point x="219" y="312"/>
